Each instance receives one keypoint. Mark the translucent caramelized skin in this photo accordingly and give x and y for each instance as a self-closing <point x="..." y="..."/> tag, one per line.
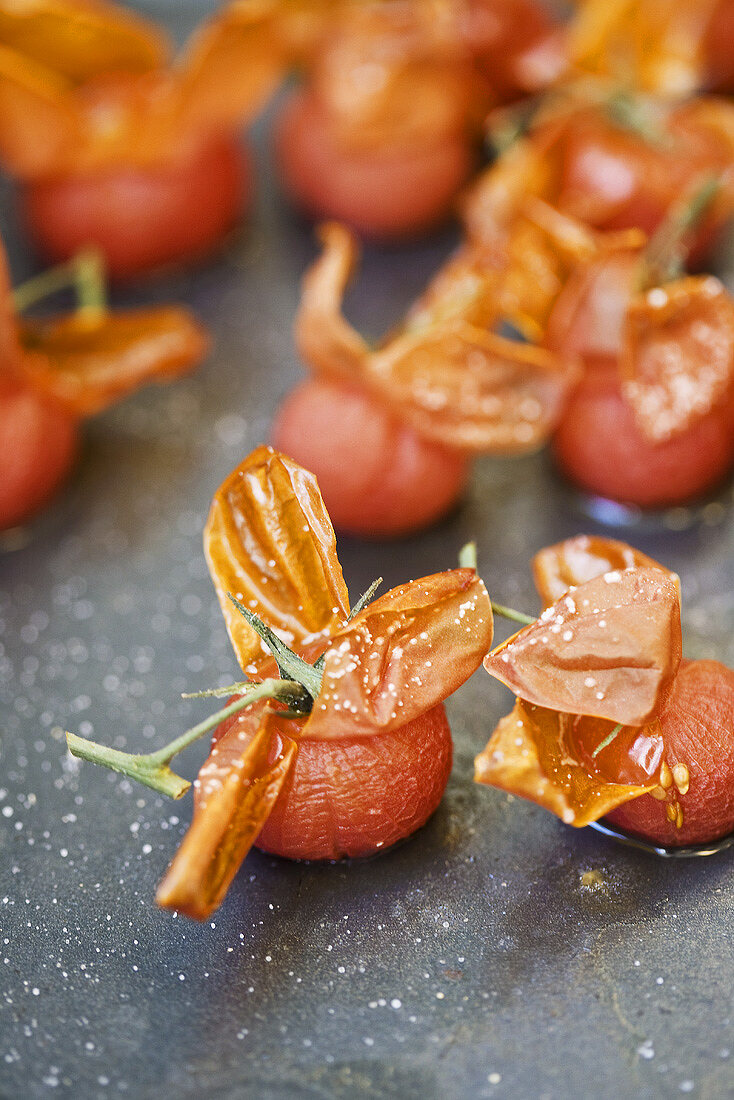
<point x="577" y="560"/>
<point x="696" y="727"/>
<point x="600" y="447"/>
<point x="400" y="191"/>
<point x="144" y="218"/>
<point x="379" y="477"/>
<point x="354" y="796"/>
<point x="608" y="649"/>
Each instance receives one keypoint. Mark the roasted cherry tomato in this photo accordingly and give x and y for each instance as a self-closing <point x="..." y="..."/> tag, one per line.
<point x="400" y="190"/>
<point x="600" y="447"/>
<point x="54" y="372"/>
<point x="361" y="757"/>
<point x="609" y="721"/>
<point x="39" y="440"/>
<point x="694" y="802"/>
<point x="143" y="219"/>
<point x="120" y="146"/>
<point x="352" y="796"/>
<point x="378" y="476"/>
<point x="391" y="431"/>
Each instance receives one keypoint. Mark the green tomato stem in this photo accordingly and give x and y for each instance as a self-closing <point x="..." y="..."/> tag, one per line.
<point x="510" y="613"/>
<point x="85" y="272"/>
<point x="152" y="769"/>
<point x="607" y="740"/>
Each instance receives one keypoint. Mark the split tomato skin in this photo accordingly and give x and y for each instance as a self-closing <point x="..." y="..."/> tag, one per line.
<point x="357" y="796"/>
<point x="144" y="218"/>
<point x="378" y="477"/>
<point x="697" y="733"/>
<point x="599" y="447"/>
<point x="39" y="441"/>
<point x="386" y="194"/>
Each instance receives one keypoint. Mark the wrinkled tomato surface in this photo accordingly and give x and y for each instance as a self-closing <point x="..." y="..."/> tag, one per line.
<point x="38" y="442"/>
<point x="356" y="796"/>
<point x="382" y="193"/>
<point x="377" y="477"/>
<point x="599" y="447"/>
<point x="144" y="218"/>
<point x="696" y="726"/>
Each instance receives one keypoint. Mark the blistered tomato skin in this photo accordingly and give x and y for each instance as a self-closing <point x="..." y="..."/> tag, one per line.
<point x="599" y="447"/>
<point x="357" y="796"/>
<point x="143" y="219"/>
<point x="378" y="477"/>
<point x="39" y="441"/>
<point x="696" y="727"/>
<point x="385" y="194"/>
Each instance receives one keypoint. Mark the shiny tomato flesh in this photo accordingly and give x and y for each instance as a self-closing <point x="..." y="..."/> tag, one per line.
<point x="600" y="448"/>
<point x="385" y="194"/>
<point x="38" y="444"/>
<point x="356" y="796"/>
<point x="377" y="476"/>
<point x="697" y="732"/>
<point x="143" y="219"/>
<point x="615" y="179"/>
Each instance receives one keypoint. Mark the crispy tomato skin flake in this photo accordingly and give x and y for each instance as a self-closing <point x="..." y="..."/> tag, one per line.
<point x="532" y="754"/>
<point x="609" y="649"/>
<point x="577" y="560"/>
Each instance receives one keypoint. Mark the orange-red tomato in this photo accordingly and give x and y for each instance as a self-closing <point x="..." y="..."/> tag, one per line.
<point x="717" y="47"/>
<point x="600" y="448"/>
<point x="613" y="178"/>
<point x="356" y="796"/>
<point x="696" y="729"/>
<point x="377" y="476"/>
<point x="144" y="218"/>
<point x="382" y="193"/>
<point x="38" y="443"/>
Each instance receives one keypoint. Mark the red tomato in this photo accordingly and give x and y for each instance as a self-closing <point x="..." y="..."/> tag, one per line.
<point x="38" y="445"/>
<point x="388" y="194"/>
<point x="696" y="728"/>
<point x="144" y="218"/>
<point x="613" y="178"/>
<point x="378" y="477"/>
<point x="600" y="448"/>
<point x="357" y="796"/>
<point x="718" y="46"/>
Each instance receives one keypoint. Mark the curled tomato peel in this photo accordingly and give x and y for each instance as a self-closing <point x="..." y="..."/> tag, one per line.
<point x="534" y="753"/>
<point x="233" y="800"/>
<point x="79" y="38"/>
<point x="89" y="361"/>
<point x="677" y="357"/>
<point x="97" y="110"/>
<point x="669" y="779"/>
<point x="454" y="383"/>
<point x="574" y="561"/>
<point x="401" y="655"/>
<point x="269" y="542"/>
<point x="609" y="649"/>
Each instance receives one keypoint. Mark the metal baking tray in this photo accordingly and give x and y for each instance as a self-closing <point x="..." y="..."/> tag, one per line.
<point x="498" y="953"/>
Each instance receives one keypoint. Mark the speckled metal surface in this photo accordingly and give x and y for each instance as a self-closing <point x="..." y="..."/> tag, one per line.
<point x="497" y="954"/>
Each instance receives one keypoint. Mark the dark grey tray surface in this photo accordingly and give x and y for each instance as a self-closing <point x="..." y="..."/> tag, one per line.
<point x="497" y="954"/>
